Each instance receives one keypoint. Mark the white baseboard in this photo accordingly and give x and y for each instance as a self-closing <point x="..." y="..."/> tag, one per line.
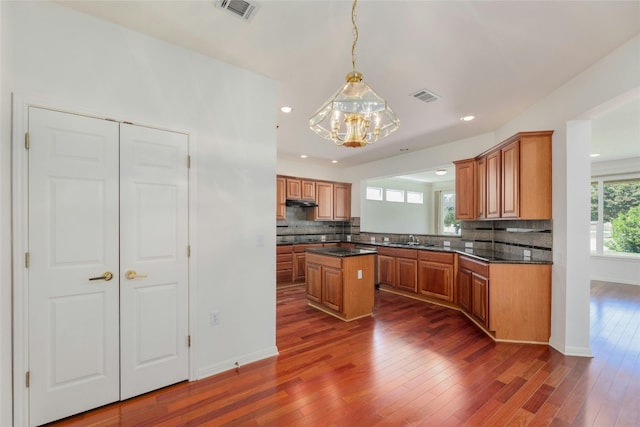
<point x="571" y="350"/>
<point x="228" y="364"/>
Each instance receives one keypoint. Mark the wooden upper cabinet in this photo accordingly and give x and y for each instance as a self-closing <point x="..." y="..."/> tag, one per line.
<point x="281" y="199"/>
<point x="341" y="202"/>
<point x="294" y="188"/>
<point x="308" y="190"/>
<point x="481" y="187"/>
<point x="534" y="169"/>
<point x="324" y="199"/>
<point x="493" y="194"/>
<point x="510" y="194"/>
<point x="465" y="189"/>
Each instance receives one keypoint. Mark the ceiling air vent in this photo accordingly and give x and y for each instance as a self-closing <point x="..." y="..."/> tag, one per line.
<point x="425" y="96"/>
<point x="242" y="9"/>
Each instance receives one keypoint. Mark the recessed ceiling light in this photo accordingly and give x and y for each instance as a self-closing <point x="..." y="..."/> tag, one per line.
<point x="286" y="109"/>
<point x="467" y="118"/>
<point x="334" y="161"/>
<point x="304" y="156"/>
<point x="404" y="149"/>
<point x="441" y="172"/>
<point x="594" y="155"/>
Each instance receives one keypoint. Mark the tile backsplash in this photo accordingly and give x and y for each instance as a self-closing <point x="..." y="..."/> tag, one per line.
<point x="513" y="237"/>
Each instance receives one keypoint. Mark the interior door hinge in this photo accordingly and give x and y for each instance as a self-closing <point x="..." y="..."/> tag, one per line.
<point x="188" y="162"/>
<point x="27" y="143"/>
<point x="27" y="259"/>
<point x="189" y="341"/>
<point x="189" y="251"/>
<point x="27" y="379"/>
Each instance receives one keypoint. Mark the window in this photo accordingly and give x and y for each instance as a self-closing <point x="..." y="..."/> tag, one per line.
<point x="446" y="213"/>
<point x="374" y="193"/>
<point x="415" y="197"/>
<point x="615" y="217"/>
<point x="395" y="195"/>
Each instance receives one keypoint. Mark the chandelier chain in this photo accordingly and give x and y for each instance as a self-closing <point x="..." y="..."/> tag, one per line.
<point x="355" y="35"/>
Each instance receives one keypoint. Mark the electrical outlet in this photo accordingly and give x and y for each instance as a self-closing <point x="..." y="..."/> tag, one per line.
<point x="348" y="237"/>
<point x="468" y="244"/>
<point x="214" y="318"/>
<point x="446" y="243"/>
<point x="527" y="252"/>
<point x="386" y="239"/>
<point x="359" y="274"/>
<point x="373" y="240"/>
<point x="323" y="238"/>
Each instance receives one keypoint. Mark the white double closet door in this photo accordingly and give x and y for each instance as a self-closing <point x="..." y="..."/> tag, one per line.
<point x="108" y="273"/>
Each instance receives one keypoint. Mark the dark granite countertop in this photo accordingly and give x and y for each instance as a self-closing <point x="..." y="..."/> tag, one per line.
<point x="480" y="254"/>
<point x="340" y="252"/>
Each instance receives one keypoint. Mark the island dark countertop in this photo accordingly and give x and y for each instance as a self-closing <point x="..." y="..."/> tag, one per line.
<point x="340" y="252"/>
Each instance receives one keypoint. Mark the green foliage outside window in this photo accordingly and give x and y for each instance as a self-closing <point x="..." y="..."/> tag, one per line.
<point x="625" y="233"/>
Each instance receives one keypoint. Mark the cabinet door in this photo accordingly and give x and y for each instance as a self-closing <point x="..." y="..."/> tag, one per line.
<point x="314" y="282"/>
<point x="386" y="270"/>
<point x="299" y="268"/>
<point x="481" y="186"/>
<point x="464" y="289"/>
<point x="511" y="180"/>
<point x="281" y="199"/>
<point x="342" y="202"/>
<point x="480" y="298"/>
<point x="493" y="185"/>
<point x="294" y="188"/>
<point x="465" y="189"/>
<point x="324" y="199"/>
<point x="308" y="190"/>
<point x="436" y="280"/>
<point x="407" y="274"/>
<point x="332" y="288"/>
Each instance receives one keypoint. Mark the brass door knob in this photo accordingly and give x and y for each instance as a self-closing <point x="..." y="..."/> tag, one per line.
<point x="131" y="274"/>
<point x="106" y="276"/>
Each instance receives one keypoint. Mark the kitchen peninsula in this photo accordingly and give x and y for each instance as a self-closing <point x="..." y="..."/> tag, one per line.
<point x="341" y="281"/>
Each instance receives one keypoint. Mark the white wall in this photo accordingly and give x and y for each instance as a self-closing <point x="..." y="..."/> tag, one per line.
<point x="77" y="62"/>
<point x="381" y="216"/>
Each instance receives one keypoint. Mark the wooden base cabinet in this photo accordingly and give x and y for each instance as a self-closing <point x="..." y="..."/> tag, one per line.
<point x="473" y="288"/>
<point x="398" y="268"/>
<point x="284" y="264"/>
<point x="341" y="286"/>
<point x="510" y="301"/>
<point x="435" y="275"/>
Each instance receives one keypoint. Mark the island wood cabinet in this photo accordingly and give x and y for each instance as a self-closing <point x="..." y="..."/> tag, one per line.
<point x="507" y="308"/>
<point x="436" y="274"/>
<point x="299" y="261"/>
<point x="511" y="180"/>
<point x="398" y="268"/>
<point x="341" y="286"/>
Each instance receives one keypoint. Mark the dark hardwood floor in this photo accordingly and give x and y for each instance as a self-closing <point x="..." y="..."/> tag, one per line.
<point x="412" y="364"/>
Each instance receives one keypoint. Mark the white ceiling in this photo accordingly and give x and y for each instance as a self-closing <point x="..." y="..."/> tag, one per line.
<point x="492" y="59"/>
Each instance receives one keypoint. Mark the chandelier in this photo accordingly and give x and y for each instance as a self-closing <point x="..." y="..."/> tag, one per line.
<point x="355" y="116"/>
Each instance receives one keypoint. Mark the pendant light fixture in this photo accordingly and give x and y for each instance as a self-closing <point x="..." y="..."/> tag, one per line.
<point x="355" y="116"/>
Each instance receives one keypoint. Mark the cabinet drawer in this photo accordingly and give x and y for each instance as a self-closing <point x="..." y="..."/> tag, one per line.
<point x="443" y="257"/>
<point x="323" y="260"/>
<point x="398" y="253"/>
<point x="473" y="265"/>
<point x="284" y="249"/>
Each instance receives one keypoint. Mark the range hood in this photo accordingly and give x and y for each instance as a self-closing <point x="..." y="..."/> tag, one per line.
<point x="302" y="203"/>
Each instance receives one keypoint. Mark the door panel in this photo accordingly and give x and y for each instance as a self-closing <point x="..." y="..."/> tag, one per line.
<point x="73" y="236"/>
<point x="153" y="241"/>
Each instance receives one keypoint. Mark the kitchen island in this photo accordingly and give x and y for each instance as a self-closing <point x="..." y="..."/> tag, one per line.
<point x="341" y="281"/>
